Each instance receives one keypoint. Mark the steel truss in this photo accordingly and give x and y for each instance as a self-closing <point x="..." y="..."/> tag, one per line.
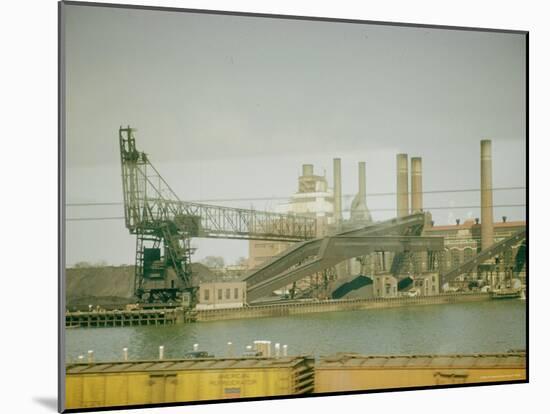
<point x="160" y="220"/>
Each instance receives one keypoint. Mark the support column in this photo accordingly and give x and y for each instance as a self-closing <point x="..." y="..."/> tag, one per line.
<point x="487" y="237"/>
<point x="416" y="185"/>
<point x="402" y="185"/>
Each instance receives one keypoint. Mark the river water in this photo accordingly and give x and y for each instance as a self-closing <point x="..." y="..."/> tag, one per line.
<point x="479" y="327"/>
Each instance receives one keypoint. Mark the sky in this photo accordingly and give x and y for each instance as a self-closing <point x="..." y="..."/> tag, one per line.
<point x="230" y="107"/>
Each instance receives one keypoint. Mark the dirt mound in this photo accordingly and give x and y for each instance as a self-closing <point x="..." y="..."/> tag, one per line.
<point x="109" y="286"/>
<point x="100" y="281"/>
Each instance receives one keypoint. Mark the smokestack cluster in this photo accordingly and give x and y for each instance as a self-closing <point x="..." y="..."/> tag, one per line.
<point x="487" y="237"/>
<point x="337" y="191"/>
<point x="402" y="185"/>
<point x="416" y="185"/>
<point x="487" y="231"/>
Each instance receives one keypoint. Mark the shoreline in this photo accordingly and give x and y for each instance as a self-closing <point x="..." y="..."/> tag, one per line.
<point x="169" y="316"/>
<point x="336" y="305"/>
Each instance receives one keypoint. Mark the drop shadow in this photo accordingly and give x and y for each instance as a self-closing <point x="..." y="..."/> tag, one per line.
<point x="48" y="402"/>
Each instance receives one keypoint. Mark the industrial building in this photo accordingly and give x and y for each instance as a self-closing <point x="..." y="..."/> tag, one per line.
<point x="214" y="295"/>
<point x="463" y="242"/>
<point x="313" y="199"/>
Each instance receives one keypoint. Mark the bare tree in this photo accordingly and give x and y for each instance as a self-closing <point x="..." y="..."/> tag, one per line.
<point x="214" y="262"/>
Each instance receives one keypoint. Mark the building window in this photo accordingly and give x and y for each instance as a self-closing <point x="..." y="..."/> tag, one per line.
<point x="228" y="293"/>
<point x="236" y="293"/>
<point x="220" y="294"/>
<point x="206" y="294"/>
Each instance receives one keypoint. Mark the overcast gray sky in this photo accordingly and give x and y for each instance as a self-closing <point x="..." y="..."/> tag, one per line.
<point x="230" y="107"/>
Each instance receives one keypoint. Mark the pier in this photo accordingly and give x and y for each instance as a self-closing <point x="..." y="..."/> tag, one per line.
<point x="113" y="318"/>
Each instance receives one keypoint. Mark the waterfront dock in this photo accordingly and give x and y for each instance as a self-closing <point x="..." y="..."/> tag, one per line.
<point x="119" y="318"/>
<point x="305" y="307"/>
<point x="136" y="317"/>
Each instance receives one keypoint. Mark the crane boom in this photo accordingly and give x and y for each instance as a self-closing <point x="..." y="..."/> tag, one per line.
<point x="164" y="225"/>
<point x="148" y="199"/>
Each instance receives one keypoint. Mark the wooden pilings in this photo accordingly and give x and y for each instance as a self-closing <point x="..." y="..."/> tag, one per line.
<point x="119" y="318"/>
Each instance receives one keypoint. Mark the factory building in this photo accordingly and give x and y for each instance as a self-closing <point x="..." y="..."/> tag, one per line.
<point x="426" y="284"/>
<point x="465" y="240"/>
<point x="384" y="286"/>
<point x="314" y="199"/>
<point x="221" y="295"/>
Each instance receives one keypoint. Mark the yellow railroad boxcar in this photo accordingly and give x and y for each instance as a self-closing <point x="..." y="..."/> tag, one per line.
<point x="352" y="372"/>
<point x="108" y="384"/>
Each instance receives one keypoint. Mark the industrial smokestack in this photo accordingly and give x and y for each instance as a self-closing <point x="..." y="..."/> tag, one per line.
<point x="402" y="185"/>
<point x="337" y="191"/>
<point x="416" y="185"/>
<point x="359" y="210"/>
<point x="307" y="170"/>
<point x="362" y="181"/>
<point x="487" y="237"/>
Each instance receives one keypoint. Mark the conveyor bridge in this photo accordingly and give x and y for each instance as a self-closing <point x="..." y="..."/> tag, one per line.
<point x="306" y="258"/>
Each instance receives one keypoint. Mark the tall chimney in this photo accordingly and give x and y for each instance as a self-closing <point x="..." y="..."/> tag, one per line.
<point x="487" y="237"/>
<point x="359" y="211"/>
<point x="362" y="181"/>
<point x="402" y="185"/>
<point x="337" y="191"/>
<point x="416" y="185"/>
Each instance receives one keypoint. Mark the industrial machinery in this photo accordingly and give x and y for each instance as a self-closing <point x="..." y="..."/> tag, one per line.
<point x="164" y="224"/>
<point x="493" y="251"/>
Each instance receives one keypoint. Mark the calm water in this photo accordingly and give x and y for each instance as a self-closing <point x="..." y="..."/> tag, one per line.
<point x="492" y="326"/>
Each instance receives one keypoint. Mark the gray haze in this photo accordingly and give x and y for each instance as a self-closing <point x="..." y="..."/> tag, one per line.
<point x="230" y="107"/>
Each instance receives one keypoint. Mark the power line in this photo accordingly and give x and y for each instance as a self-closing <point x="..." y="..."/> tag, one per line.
<point x="93" y="218"/>
<point x="345" y="210"/>
<point x="468" y="190"/>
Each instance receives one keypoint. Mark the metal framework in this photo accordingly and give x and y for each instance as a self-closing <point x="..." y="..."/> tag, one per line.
<point x="164" y="223"/>
<point x="489" y="253"/>
<point x="307" y="258"/>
